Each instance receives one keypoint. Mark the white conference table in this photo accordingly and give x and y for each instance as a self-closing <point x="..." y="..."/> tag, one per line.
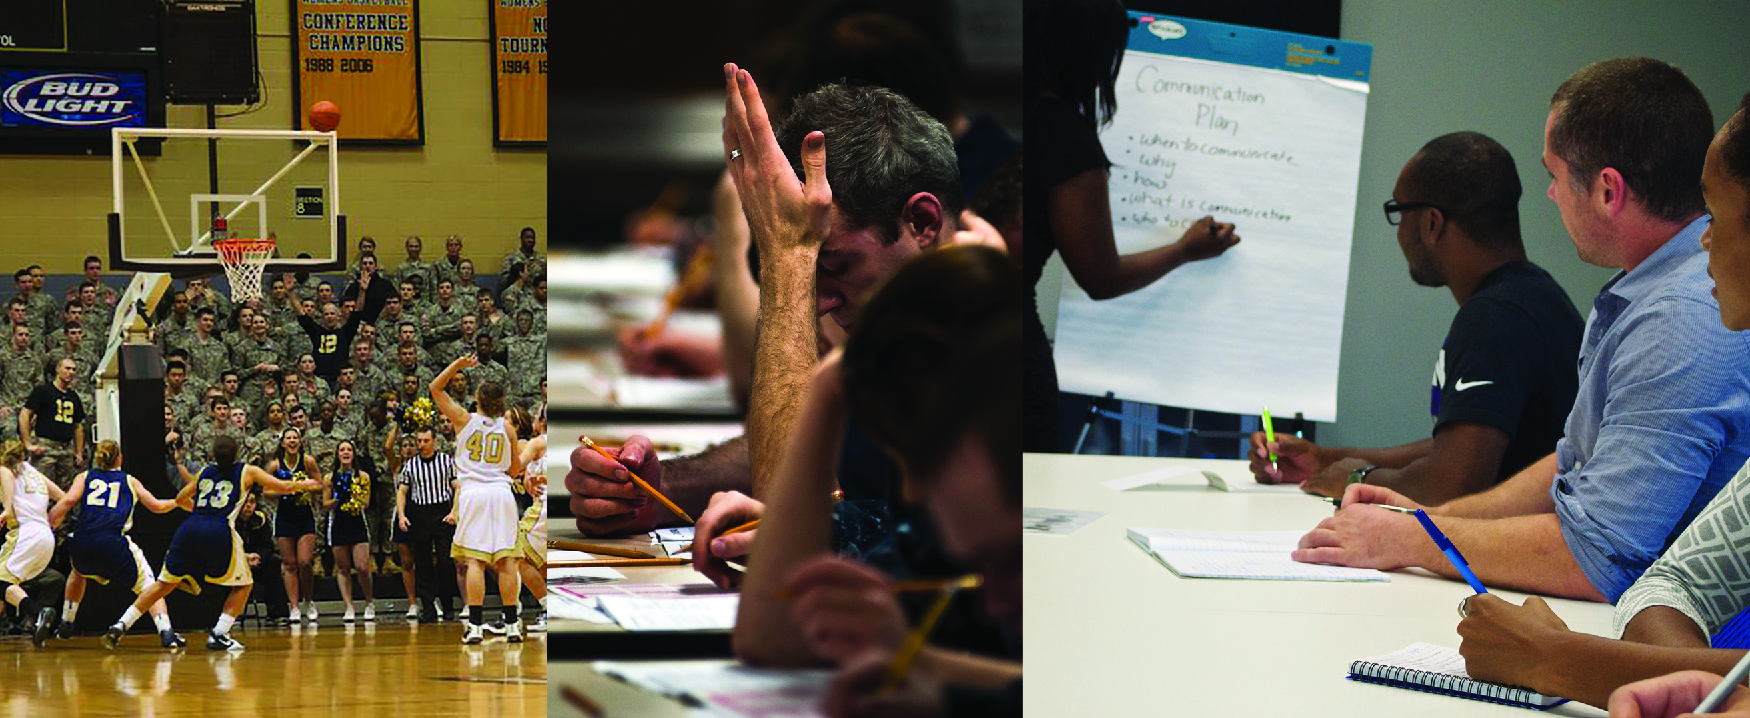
<point x="1109" y="630"/>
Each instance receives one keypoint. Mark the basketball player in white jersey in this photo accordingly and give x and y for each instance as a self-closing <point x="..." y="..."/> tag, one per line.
<point x="485" y="513"/>
<point x="26" y="494"/>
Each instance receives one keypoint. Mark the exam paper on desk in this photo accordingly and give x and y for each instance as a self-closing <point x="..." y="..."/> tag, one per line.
<point x="727" y="688"/>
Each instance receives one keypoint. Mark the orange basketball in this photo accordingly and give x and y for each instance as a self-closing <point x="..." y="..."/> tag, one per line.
<point x="324" y="116"/>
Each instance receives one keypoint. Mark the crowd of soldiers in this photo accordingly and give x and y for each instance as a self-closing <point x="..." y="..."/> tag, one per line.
<point x="250" y="369"/>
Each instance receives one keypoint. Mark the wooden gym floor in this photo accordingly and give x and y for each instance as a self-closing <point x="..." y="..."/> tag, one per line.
<point x="390" y="668"/>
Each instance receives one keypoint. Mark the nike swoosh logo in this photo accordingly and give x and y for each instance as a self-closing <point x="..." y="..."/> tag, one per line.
<point x="1462" y="385"/>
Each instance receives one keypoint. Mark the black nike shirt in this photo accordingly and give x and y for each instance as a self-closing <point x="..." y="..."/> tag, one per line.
<point x="1508" y="362"/>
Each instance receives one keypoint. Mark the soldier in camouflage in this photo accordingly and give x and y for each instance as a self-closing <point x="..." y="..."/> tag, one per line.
<point x="445" y="313"/>
<point x="18" y="376"/>
<point x="369" y="379"/>
<point x="413" y="266"/>
<point x="527" y="353"/>
<point x="206" y="353"/>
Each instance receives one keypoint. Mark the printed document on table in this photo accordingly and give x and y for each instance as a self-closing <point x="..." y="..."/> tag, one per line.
<point x="1240" y="554"/>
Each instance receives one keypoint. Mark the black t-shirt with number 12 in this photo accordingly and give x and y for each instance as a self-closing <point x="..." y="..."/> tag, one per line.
<point x="57" y="412"/>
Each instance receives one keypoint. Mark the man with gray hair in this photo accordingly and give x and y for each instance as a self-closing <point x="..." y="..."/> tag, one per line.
<point x="827" y="231"/>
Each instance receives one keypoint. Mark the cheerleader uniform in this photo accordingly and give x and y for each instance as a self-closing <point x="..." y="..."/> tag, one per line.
<point x="486" y="513"/>
<point x="206" y="545"/>
<point x="100" y="549"/>
<point x="345" y="528"/>
<point x="31" y="542"/>
<point x="296" y="515"/>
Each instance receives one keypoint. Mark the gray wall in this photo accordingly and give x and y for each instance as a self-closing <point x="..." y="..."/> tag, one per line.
<point x="1488" y="66"/>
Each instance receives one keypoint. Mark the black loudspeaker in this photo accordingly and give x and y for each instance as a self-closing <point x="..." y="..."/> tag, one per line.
<point x="208" y="49"/>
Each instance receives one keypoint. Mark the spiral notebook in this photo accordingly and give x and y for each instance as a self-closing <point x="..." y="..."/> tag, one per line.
<point x="1438" y="669"/>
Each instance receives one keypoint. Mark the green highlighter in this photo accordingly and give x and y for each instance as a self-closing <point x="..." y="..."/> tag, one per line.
<point x="1270" y="437"/>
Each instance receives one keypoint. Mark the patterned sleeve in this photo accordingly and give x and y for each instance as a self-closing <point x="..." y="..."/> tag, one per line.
<point x="1703" y="574"/>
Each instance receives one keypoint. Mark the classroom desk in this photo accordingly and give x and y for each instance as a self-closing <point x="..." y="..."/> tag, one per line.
<point x="575" y="639"/>
<point x="1111" y="631"/>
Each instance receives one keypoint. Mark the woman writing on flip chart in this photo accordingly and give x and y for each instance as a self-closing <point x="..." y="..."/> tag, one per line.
<point x="1074" y="48"/>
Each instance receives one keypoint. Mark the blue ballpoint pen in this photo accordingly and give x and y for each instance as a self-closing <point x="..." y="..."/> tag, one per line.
<point x="1451" y="551"/>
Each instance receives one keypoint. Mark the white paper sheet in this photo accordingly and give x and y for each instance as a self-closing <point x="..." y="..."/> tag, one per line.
<point x="562" y="576"/>
<point x="1261" y="555"/>
<point x="1037" y="520"/>
<point x="703" y="613"/>
<point x="726" y="688"/>
<point x="560" y="605"/>
<point x="678" y="533"/>
<point x="1279" y="155"/>
<point x="1169" y="476"/>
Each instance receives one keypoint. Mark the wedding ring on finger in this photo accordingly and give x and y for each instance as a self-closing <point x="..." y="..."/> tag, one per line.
<point x="1464" y="607"/>
<point x="734" y="155"/>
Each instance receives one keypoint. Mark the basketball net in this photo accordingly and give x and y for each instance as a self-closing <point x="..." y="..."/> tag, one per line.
<point x="244" y="260"/>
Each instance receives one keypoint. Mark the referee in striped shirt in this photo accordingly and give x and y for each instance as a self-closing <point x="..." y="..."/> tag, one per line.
<point x="424" y="493"/>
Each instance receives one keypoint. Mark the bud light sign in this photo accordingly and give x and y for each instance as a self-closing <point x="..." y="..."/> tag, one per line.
<point x="72" y="99"/>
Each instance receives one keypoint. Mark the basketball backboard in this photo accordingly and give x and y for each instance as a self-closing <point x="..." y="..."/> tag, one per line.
<point x="283" y="184"/>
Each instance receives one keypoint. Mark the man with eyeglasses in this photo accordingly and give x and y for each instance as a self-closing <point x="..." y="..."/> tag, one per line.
<point x="1504" y="379"/>
<point x="1662" y="418"/>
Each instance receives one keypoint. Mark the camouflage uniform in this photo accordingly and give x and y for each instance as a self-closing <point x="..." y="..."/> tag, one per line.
<point x="446" y="353"/>
<point x="207" y="357"/>
<point x="438" y="318"/>
<point x="312" y="391"/>
<point x="424" y="374"/>
<point x="43" y="312"/>
<point x="320" y="445"/>
<point x="185" y="404"/>
<point x="371" y="380"/>
<point x="263" y="445"/>
<point x="377" y="515"/>
<point x="528" y="364"/>
<point x="486" y="370"/>
<point x="410" y="267"/>
<point x="248" y="352"/>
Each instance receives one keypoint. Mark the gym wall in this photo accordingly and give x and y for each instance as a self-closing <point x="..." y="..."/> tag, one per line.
<point x="52" y="209"/>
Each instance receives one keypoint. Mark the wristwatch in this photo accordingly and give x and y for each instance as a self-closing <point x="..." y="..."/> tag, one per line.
<point x="1359" y="476"/>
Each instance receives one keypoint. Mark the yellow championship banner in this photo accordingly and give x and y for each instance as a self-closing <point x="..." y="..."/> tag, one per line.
<point x="519" y="72"/>
<point x="364" y="58"/>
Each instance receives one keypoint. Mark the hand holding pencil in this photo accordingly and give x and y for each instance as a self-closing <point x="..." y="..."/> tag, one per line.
<point x="715" y="540"/>
<point x="603" y="496"/>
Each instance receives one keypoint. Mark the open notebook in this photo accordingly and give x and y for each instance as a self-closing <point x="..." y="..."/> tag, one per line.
<point x="1240" y="554"/>
<point x="1438" y="669"/>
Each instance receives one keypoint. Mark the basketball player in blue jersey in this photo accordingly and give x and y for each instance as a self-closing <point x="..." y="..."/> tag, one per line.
<point x="206" y="545"/>
<point x="487" y="455"/>
<point x="100" y="548"/>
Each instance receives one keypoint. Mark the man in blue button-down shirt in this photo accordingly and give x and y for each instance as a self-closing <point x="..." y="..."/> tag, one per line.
<point x="1662" y="419"/>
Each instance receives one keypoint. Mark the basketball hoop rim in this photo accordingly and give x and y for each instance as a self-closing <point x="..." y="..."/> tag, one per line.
<point x="237" y="246"/>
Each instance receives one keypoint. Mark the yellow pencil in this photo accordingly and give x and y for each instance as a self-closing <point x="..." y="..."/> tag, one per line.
<point x="581" y="702"/>
<point x="971" y="580"/>
<point x="593" y="548"/>
<point x="697" y="272"/>
<point x="749" y="526"/>
<point x="914" y="643"/>
<point x="640" y="482"/>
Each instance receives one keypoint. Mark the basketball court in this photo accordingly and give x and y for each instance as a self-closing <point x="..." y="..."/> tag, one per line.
<point x="391" y="668"/>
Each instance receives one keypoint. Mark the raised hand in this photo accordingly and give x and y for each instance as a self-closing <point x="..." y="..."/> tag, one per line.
<point x="783" y="212"/>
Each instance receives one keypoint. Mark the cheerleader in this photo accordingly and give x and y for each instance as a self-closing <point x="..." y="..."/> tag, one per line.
<point x="485" y="513"/>
<point x="532" y="530"/>
<point x="100" y="549"/>
<point x="206" y="545"/>
<point x="294" y="524"/>
<point x="346" y="495"/>
<point x="26" y="494"/>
